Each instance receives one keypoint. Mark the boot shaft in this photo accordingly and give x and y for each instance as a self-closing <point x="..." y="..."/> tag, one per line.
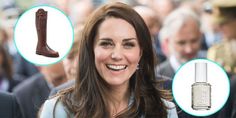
<point x="41" y="26"/>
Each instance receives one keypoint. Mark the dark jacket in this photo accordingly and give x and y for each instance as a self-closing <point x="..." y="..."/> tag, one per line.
<point x="9" y="107"/>
<point x="31" y="94"/>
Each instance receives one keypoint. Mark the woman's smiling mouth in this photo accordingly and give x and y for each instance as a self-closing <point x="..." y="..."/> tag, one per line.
<point x="116" y="67"/>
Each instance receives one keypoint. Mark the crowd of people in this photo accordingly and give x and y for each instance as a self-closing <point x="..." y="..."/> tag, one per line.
<point x="123" y="59"/>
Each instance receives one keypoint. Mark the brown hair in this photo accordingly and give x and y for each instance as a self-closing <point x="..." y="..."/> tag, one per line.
<point x="6" y="65"/>
<point x="74" y="52"/>
<point x="88" y="99"/>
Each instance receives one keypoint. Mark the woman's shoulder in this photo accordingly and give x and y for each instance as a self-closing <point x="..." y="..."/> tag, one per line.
<point x="171" y="109"/>
<point x="53" y="107"/>
<point x="169" y="104"/>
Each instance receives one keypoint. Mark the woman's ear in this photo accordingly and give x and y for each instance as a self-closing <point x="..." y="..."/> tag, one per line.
<point x="140" y="54"/>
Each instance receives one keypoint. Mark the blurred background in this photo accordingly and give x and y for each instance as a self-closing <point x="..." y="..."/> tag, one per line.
<point x="181" y="30"/>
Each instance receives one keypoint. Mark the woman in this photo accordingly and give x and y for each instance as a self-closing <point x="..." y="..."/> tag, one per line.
<point x="115" y="73"/>
<point x="7" y="82"/>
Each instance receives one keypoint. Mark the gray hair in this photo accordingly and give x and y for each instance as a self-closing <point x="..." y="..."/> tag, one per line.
<point x="175" y="20"/>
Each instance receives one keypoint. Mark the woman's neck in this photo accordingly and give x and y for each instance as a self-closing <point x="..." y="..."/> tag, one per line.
<point x="119" y="99"/>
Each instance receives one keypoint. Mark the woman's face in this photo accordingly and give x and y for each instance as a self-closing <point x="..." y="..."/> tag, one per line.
<point x="117" y="51"/>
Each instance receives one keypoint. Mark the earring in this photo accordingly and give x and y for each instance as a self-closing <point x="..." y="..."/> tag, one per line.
<point x="137" y="67"/>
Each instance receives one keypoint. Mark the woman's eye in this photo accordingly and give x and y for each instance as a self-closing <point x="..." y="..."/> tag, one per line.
<point x="106" y="44"/>
<point x="129" y="45"/>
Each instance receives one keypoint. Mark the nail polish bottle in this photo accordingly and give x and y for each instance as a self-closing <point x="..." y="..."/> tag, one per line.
<point x="201" y="90"/>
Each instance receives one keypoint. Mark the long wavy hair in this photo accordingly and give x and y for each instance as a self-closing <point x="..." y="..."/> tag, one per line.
<point x="89" y="97"/>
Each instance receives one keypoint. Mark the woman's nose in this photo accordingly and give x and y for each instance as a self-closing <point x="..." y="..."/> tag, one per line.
<point x="116" y="54"/>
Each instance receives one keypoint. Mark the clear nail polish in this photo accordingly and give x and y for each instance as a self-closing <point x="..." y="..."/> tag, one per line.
<point x="201" y="90"/>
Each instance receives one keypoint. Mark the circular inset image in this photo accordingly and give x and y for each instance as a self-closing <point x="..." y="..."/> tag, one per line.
<point x="43" y="35"/>
<point x="201" y="87"/>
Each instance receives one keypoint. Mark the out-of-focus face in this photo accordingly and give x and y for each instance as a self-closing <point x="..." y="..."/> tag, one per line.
<point x="163" y="8"/>
<point x="228" y="29"/>
<point x="54" y="74"/>
<point x="70" y="67"/>
<point x="8" y="19"/>
<point x="150" y="19"/>
<point x="152" y="25"/>
<point x="185" y="43"/>
<point x="117" y="51"/>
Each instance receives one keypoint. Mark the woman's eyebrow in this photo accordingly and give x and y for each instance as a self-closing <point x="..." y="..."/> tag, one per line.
<point x="128" y="39"/>
<point x="106" y="39"/>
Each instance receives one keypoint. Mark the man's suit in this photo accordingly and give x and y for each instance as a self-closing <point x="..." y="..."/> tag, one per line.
<point x="31" y="94"/>
<point x="22" y="69"/>
<point x="233" y="97"/>
<point x="9" y="108"/>
<point x="229" y="110"/>
<point x="165" y="69"/>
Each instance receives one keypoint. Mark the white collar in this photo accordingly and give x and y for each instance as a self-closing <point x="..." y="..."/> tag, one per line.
<point x="175" y="64"/>
<point x="5" y="84"/>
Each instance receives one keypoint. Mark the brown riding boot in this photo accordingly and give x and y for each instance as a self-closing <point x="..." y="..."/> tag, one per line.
<point x="41" y="26"/>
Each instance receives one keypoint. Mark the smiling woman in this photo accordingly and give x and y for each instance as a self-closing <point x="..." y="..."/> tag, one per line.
<point x="116" y="54"/>
<point x="115" y="76"/>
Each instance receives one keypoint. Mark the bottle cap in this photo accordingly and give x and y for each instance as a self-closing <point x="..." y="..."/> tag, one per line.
<point x="200" y="72"/>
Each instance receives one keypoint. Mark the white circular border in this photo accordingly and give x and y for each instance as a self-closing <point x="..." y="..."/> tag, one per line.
<point x="60" y="35"/>
<point x="184" y="78"/>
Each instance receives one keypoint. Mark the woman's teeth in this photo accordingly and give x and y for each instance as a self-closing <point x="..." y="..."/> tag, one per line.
<point x="116" y="68"/>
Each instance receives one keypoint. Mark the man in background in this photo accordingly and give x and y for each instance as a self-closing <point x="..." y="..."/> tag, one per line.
<point x="70" y="66"/>
<point x="33" y="92"/>
<point x="224" y="53"/>
<point x="9" y="107"/>
<point x="224" y="15"/>
<point x="180" y="40"/>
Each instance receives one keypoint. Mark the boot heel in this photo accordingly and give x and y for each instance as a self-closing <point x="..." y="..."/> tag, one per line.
<point x="39" y="53"/>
